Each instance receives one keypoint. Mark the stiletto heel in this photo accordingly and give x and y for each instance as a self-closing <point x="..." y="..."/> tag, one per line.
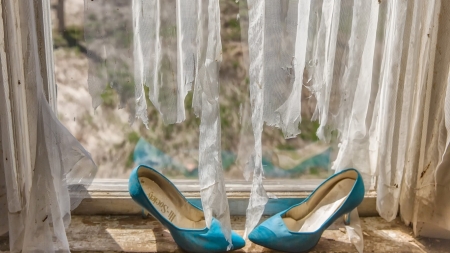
<point x="186" y="222"/>
<point x="347" y="219"/>
<point x="144" y="214"/>
<point x="302" y="225"/>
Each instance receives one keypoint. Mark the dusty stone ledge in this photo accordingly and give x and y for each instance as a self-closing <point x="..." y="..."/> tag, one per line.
<point x="134" y="234"/>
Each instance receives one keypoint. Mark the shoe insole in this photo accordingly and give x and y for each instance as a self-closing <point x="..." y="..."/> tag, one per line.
<point x="168" y="209"/>
<point x="327" y="206"/>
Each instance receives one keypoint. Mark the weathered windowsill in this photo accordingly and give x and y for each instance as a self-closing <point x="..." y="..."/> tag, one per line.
<point x="134" y="234"/>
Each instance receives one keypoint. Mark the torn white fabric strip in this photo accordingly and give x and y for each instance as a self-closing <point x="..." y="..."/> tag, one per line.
<point x="323" y="70"/>
<point x="311" y="46"/>
<point x="258" y="196"/>
<point x="202" y="42"/>
<point x="406" y="98"/>
<point x="290" y="111"/>
<point x="244" y="157"/>
<point x="154" y="49"/>
<point x="354" y="141"/>
<point x="166" y="77"/>
<point x="441" y="217"/>
<point x="352" y="65"/>
<point x="139" y="74"/>
<point x="96" y="52"/>
<point x="108" y="33"/>
<point x="187" y="18"/>
<point x="442" y="175"/>
<point x="168" y="44"/>
<point x="209" y="55"/>
<point x="354" y="100"/>
<point x="396" y="18"/>
<point x="401" y="126"/>
<point x="149" y="41"/>
<point x="280" y="29"/>
<point x="419" y="105"/>
<point x="372" y="111"/>
<point x="430" y="213"/>
<point x="246" y="145"/>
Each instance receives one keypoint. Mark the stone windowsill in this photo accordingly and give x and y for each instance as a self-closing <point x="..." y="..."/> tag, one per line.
<point x="134" y="234"/>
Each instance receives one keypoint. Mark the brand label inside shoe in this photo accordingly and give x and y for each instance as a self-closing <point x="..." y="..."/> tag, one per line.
<point x="162" y="207"/>
<point x="178" y="211"/>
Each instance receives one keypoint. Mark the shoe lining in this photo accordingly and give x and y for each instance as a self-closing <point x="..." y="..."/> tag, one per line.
<point x="311" y="215"/>
<point x="180" y="213"/>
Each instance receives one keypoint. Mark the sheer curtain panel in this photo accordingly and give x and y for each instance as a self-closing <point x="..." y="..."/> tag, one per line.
<point x="41" y="160"/>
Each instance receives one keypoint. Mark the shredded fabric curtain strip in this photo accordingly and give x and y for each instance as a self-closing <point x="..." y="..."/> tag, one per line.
<point x="379" y="70"/>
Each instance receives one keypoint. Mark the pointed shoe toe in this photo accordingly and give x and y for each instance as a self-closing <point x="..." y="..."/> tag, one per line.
<point x="237" y="240"/>
<point x="262" y="236"/>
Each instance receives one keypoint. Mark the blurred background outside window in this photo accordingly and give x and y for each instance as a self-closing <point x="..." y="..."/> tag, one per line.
<point x="117" y="146"/>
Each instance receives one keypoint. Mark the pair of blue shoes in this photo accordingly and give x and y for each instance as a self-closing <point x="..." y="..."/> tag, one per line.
<point x="297" y="229"/>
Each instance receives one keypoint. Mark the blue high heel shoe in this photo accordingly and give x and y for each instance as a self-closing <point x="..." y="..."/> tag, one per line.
<point x="186" y="222"/>
<point x="299" y="228"/>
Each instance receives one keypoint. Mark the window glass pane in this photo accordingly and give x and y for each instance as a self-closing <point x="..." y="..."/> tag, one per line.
<point x="117" y="146"/>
